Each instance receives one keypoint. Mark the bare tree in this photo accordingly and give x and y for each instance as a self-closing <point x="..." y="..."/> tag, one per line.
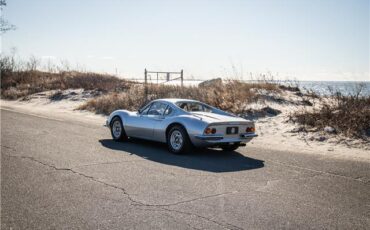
<point x="4" y="24"/>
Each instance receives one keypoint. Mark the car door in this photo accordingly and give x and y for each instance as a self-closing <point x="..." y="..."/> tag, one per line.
<point x="139" y="125"/>
<point x="155" y="115"/>
<point x="161" y="123"/>
<point x="142" y="125"/>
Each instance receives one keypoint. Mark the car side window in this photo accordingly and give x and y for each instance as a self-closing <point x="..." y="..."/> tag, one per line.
<point x="168" y="111"/>
<point x="145" y="110"/>
<point x="157" y="108"/>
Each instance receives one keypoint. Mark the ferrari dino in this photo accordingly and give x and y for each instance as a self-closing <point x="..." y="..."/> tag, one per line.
<point x="182" y="124"/>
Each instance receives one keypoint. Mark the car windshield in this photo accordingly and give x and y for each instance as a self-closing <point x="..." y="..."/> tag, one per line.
<point x="144" y="109"/>
<point x="191" y="106"/>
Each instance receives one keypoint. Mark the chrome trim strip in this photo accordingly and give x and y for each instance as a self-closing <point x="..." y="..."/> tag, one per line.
<point x="210" y="138"/>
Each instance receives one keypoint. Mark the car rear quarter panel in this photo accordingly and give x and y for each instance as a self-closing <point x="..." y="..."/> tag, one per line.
<point x="193" y="126"/>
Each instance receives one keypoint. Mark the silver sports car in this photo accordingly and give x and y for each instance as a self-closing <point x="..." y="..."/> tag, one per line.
<point x="182" y="124"/>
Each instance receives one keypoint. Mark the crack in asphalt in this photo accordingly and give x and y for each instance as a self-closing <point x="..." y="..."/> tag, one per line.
<point x="188" y="201"/>
<point x="359" y="179"/>
<point x="135" y="202"/>
<point x="103" y="163"/>
<point x="301" y="177"/>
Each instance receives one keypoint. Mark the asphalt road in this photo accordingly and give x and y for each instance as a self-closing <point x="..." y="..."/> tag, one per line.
<point x="65" y="174"/>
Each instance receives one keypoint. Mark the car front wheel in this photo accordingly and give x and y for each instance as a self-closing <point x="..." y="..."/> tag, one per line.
<point x="117" y="130"/>
<point x="177" y="140"/>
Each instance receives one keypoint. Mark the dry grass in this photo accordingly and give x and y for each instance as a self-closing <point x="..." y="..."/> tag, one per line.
<point x="231" y="96"/>
<point x="18" y="82"/>
<point x="349" y="115"/>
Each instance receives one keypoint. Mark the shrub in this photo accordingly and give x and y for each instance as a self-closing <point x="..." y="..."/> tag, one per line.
<point x="349" y="115"/>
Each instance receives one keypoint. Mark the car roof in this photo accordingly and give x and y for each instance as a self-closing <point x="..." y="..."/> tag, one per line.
<point x="175" y="100"/>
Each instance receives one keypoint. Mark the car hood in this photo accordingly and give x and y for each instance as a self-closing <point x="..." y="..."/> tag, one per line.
<point x="217" y="118"/>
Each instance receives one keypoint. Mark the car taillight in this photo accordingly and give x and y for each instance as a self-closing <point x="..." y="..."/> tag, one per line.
<point x="250" y="129"/>
<point x="210" y="130"/>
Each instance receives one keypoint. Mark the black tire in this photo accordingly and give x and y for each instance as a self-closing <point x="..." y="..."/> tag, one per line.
<point x="117" y="136"/>
<point x="185" y="146"/>
<point x="230" y="148"/>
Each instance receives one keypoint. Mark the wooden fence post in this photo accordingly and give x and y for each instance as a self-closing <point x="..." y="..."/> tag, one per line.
<point x="182" y="78"/>
<point x="145" y="84"/>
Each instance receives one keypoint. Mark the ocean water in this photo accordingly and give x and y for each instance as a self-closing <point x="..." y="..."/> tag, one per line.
<point x="330" y="87"/>
<point x="319" y="87"/>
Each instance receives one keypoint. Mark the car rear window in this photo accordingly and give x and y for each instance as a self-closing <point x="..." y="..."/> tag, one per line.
<point x="193" y="106"/>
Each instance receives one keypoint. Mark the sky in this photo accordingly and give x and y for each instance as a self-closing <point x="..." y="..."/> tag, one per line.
<point x="289" y="39"/>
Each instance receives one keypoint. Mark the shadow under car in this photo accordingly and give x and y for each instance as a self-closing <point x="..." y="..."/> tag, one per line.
<point x="211" y="160"/>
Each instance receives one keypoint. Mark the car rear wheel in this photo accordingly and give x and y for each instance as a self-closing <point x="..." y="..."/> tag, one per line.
<point x="178" y="141"/>
<point x="229" y="148"/>
<point x="117" y="130"/>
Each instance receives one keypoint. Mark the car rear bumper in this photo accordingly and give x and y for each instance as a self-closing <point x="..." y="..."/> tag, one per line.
<point x="210" y="140"/>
